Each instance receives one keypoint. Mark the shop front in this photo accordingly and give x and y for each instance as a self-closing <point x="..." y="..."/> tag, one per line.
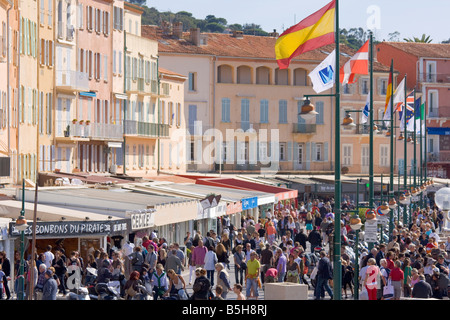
<point x="82" y="236"/>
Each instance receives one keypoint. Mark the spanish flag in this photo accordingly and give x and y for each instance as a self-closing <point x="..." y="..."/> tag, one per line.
<point x="387" y="106"/>
<point x="314" y="32"/>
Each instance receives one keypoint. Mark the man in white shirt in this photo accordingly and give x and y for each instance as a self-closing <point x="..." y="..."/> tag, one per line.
<point x="49" y="256"/>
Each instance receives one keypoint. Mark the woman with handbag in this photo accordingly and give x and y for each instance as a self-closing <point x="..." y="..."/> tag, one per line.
<point x="239" y="265"/>
<point x="371" y="279"/>
<point x="397" y="276"/>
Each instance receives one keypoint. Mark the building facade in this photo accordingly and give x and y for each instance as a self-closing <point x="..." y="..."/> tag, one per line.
<point x="427" y="67"/>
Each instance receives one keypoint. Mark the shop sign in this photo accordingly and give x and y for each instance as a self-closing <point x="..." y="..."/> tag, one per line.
<point x="73" y="228"/>
<point x="286" y="195"/>
<point x="234" y="207"/>
<point x="142" y="220"/>
<point x="249" y="203"/>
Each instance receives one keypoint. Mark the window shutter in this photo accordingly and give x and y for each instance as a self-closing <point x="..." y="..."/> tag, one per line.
<point x="313" y="151"/>
<point x="325" y="151"/>
<point x="308" y="156"/>
<point x="288" y="152"/>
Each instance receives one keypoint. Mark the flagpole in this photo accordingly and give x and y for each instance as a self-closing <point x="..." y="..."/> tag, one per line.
<point x="405" y="165"/>
<point x="391" y="182"/>
<point x="371" y="187"/>
<point x="421" y="151"/>
<point x="337" y="269"/>
<point x="415" y="149"/>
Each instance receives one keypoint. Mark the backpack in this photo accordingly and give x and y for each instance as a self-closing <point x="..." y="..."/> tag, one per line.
<point x="200" y="286"/>
<point x="307" y="260"/>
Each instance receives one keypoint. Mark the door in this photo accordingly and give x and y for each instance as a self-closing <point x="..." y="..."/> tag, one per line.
<point x="299" y="157"/>
<point x="192" y="118"/>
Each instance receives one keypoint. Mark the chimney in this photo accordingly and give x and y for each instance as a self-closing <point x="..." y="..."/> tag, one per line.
<point x="195" y="36"/>
<point x="178" y="30"/>
<point x="274" y="34"/>
<point x="238" y="34"/>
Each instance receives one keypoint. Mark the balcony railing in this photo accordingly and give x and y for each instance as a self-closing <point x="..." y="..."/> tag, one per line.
<point x="93" y="131"/>
<point x="358" y="129"/>
<point x="304" y="128"/>
<point x="72" y="80"/>
<point x="434" y="77"/>
<point x="146" y="129"/>
<point x="438" y="157"/>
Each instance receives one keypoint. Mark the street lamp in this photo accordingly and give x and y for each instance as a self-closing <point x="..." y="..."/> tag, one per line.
<point x="308" y="110"/>
<point x="348" y="121"/>
<point x="442" y="200"/>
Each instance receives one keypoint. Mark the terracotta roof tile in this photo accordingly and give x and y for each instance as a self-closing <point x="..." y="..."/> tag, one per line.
<point x="169" y="72"/>
<point x="249" y="46"/>
<point x="430" y="50"/>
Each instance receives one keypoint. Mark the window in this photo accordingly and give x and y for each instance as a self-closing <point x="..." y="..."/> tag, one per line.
<point x="383" y="83"/>
<point x="106" y="23"/>
<point x="347" y="151"/>
<point x="120" y="62"/>
<point x="364" y="86"/>
<point x="118" y="18"/>
<point x="433" y="103"/>
<point x="384" y="155"/>
<point x="318" y="152"/>
<point x="263" y="151"/>
<point x="42" y="12"/>
<point x="89" y="18"/>
<point x="282" y="112"/>
<point x="114" y="61"/>
<point x="80" y="16"/>
<point x="225" y="110"/>
<point x="178" y="114"/>
<point x="192" y="81"/>
<point x="283" y="151"/>
<point x="50" y="23"/>
<point x="347" y="89"/>
<point x="264" y="111"/>
<point x="245" y="114"/>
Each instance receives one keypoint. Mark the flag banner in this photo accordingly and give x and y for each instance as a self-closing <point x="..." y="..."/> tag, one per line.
<point x="311" y="33"/>
<point x="409" y="114"/>
<point x="418" y="113"/>
<point x="399" y="100"/>
<point x="387" y="107"/>
<point x="365" y="113"/>
<point x="323" y="76"/>
<point x="358" y="64"/>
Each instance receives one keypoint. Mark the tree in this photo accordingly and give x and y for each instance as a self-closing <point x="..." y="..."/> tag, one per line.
<point x="254" y="29"/>
<point x="394" y="36"/>
<point x="138" y="2"/>
<point x="446" y="41"/>
<point x="424" y="39"/>
<point x="235" y="27"/>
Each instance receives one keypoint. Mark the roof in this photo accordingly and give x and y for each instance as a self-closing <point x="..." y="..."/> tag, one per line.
<point x="247" y="46"/>
<point x="418" y="49"/>
<point x="170" y="73"/>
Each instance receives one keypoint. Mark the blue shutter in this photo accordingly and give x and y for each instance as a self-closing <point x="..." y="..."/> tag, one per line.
<point x="308" y="156"/>
<point x="320" y="115"/>
<point x="401" y="165"/>
<point x="325" y="151"/>
<point x="295" y="149"/>
<point x="299" y="109"/>
<point x="313" y="151"/>
<point x="289" y="151"/>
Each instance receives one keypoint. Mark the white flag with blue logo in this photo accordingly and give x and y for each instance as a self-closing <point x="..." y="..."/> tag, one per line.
<point x="322" y="77"/>
<point x="365" y="113"/>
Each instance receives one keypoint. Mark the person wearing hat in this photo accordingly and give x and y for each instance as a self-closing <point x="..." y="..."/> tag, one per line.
<point x="439" y="284"/>
<point x="50" y="286"/>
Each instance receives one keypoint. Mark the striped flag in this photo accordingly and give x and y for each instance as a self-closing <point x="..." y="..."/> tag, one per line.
<point x="313" y="32"/>
<point x="358" y="64"/>
<point x="387" y="106"/>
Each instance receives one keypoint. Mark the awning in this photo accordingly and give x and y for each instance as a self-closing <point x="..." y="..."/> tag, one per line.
<point x="115" y="144"/>
<point x="438" y="131"/>
<point x="120" y="96"/>
<point x="88" y="94"/>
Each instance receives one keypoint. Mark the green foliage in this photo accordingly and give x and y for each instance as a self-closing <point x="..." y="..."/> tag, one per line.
<point x="138" y="2"/>
<point x="446" y="41"/>
<point x="354" y="37"/>
<point x="424" y="39"/>
<point x="254" y="29"/>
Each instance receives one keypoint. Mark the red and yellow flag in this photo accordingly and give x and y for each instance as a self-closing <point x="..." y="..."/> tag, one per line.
<point x="313" y="32"/>
<point x="387" y="106"/>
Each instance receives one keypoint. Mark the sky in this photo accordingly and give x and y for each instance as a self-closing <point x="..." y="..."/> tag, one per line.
<point x="411" y="18"/>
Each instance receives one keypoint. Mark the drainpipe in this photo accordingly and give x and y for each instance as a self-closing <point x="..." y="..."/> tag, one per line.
<point x="8" y="86"/>
<point x="124" y="101"/>
<point x="18" y="88"/>
<point x="159" y="115"/>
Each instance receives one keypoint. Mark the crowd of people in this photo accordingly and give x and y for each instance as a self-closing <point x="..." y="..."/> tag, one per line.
<point x="273" y="248"/>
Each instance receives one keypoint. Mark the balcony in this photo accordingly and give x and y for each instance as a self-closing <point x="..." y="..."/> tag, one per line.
<point x="304" y="128"/>
<point x="434" y="77"/>
<point x="358" y="129"/>
<point x="70" y="80"/>
<point x="146" y="129"/>
<point x="141" y="86"/>
<point x="438" y="157"/>
<point x="68" y="130"/>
